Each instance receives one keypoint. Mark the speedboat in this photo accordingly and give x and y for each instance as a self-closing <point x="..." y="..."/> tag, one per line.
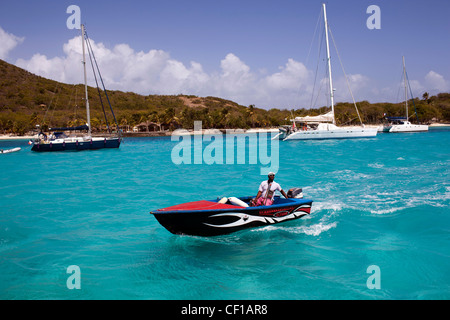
<point x="217" y="217"/>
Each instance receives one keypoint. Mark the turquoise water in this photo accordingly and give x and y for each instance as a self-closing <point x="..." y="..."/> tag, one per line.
<point x="382" y="201"/>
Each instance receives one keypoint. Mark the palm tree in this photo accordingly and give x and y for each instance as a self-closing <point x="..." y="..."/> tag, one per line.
<point x="169" y="117"/>
<point x="154" y="117"/>
<point x="123" y="122"/>
<point x="251" y="112"/>
<point x="425" y="97"/>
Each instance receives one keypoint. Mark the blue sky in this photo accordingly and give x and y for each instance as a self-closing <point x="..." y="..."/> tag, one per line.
<point x="252" y="52"/>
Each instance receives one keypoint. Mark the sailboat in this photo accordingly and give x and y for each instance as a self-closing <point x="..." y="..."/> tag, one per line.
<point x="402" y="124"/>
<point x="323" y="126"/>
<point x="57" y="140"/>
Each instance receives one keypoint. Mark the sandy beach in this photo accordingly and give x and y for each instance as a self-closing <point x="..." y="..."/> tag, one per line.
<point x="439" y="125"/>
<point x="14" y="137"/>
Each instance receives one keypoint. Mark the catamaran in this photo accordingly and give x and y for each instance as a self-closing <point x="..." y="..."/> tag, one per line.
<point x="57" y="140"/>
<point x="402" y="124"/>
<point x="324" y="126"/>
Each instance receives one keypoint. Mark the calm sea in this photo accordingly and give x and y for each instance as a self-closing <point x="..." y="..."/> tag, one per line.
<point x="379" y="203"/>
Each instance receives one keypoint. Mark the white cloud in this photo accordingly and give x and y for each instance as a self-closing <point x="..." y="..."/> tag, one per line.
<point x="292" y="76"/>
<point x="359" y="84"/>
<point x="155" y="72"/>
<point x="436" y="82"/>
<point x="235" y="81"/>
<point x="233" y="67"/>
<point x="8" y="42"/>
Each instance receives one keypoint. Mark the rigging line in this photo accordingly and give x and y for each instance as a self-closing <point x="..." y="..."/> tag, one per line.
<point x="327" y="96"/>
<point x="309" y="52"/>
<point x="322" y="83"/>
<point x="74" y="88"/>
<point x="76" y="99"/>
<point x="317" y="69"/>
<point x="56" y="96"/>
<point x="346" y="79"/>
<point x="412" y="97"/>
<point x="314" y="35"/>
<point x="397" y="99"/>
<point x="98" y="88"/>
<point x="50" y="105"/>
<point x="103" y="84"/>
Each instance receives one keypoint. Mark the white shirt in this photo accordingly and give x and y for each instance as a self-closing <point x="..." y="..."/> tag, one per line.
<point x="264" y="186"/>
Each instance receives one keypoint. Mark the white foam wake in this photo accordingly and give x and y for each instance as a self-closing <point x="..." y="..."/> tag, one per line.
<point x="313" y="230"/>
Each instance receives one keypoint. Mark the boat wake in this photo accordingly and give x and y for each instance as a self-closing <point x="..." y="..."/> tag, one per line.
<point x="312" y="230"/>
<point x="327" y="211"/>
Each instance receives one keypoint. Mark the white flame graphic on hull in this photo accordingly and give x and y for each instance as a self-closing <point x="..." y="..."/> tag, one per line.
<point x="245" y="218"/>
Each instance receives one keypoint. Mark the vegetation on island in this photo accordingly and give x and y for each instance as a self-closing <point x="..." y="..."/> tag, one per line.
<point x="27" y="100"/>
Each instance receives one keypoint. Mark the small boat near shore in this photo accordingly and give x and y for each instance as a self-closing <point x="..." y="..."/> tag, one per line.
<point x="402" y="124"/>
<point x="10" y="150"/>
<point x="217" y="217"/>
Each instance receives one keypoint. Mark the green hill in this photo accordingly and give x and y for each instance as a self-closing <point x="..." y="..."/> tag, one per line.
<point x="27" y="100"/>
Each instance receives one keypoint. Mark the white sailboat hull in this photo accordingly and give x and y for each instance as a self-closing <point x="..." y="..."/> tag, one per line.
<point x="317" y="127"/>
<point x="408" y="128"/>
<point x="402" y="124"/>
<point x="333" y="132"/>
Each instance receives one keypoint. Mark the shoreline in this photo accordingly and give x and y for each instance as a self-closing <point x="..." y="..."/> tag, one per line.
<point x="160" y="133"/>
<point x="439" y="125"/>
<point x="4" y="137"/>
<point x="13" y="137"/>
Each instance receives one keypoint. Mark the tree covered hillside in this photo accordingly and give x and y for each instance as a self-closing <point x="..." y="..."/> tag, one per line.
<point x="27" y="100"/>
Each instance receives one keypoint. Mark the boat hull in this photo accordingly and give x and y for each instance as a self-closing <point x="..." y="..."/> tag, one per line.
<point x="408" y="128"/>
<point x="225" y="221"/>
<point x="10" y="150"/>
<point x="77" y="145"/>
<point x="337" y="133"/>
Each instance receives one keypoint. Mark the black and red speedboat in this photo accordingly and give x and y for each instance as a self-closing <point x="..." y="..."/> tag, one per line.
<point x="211" y="218"/>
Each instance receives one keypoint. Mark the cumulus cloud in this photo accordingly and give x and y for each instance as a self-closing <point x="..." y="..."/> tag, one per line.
<point x="291" y="87"/>
<point x="8" y="42"/>
<point x="359" y="85"/>
<point x="235" y="80"/>
<point x="436" y="82"/>
<point x="156" y="72"/>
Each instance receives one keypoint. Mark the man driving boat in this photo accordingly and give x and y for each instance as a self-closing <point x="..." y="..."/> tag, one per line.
<point x="266" y="192"/>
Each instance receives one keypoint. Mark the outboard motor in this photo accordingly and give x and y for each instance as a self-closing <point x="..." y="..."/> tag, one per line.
<point x="296" y="193"/>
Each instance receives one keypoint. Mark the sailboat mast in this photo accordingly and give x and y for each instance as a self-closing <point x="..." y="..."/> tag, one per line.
<point x="85" y="81"/>
<point x="406" y="90"/>
<point x="329" y="61"/>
